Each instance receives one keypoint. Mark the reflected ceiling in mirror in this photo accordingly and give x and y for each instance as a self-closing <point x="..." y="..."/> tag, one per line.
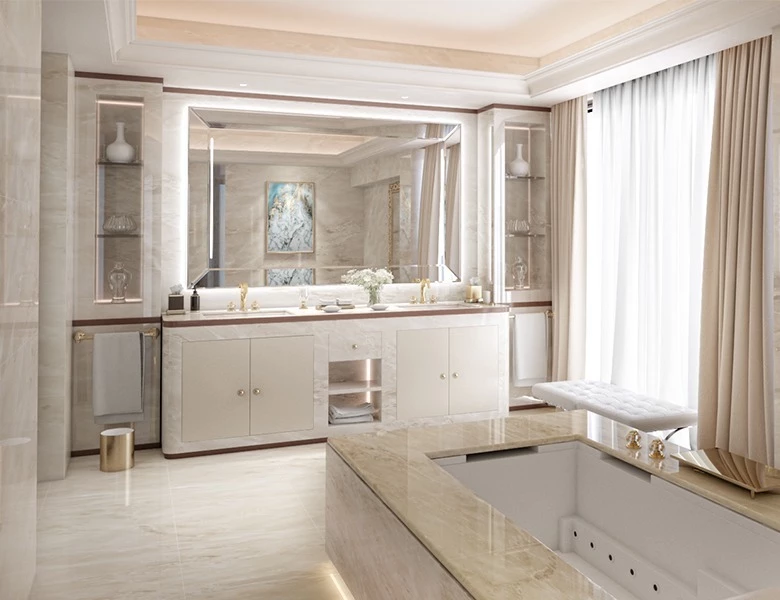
<point x="289" y="199"/>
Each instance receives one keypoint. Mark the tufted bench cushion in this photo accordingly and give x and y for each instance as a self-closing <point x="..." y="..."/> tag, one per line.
<point x="643" y="412"/>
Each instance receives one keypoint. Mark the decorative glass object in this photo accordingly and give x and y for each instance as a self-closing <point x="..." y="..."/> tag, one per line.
<point x="119" y="151"/>
<point x="120" y="224"/>
<point x="519" y="273"/>
<point x="118" y="280"/>
<point x="519" y="166"/>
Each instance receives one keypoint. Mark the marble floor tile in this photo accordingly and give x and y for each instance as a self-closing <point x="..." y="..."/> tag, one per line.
<point x="245" y="526"/>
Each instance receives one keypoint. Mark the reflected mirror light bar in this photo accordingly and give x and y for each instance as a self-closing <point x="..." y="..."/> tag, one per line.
<point x="211" y="198"/>
<point x="120" y="102"/>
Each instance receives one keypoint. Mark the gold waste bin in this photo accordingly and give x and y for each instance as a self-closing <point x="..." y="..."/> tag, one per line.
<point x="117" y="449"/>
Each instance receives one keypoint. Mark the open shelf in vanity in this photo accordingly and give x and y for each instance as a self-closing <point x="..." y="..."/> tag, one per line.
<point x="354" y="383"/>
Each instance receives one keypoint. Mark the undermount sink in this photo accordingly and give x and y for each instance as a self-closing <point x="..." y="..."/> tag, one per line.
<point x="236" y="314"/>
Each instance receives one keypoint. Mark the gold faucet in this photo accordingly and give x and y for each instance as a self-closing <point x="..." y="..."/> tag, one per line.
<point x="425" y="288"/>
<point x="244" y="287"/>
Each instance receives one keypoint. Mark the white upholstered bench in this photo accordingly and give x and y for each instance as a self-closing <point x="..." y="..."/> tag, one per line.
<point x="636" y="410"/>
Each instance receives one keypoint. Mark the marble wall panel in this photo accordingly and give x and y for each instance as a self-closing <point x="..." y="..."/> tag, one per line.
<point x="56" y="270"/>
<point x="775" y="145"/>
<point x="175" y="185"/>
<point x="20" y="146"/>
<point x="377" y="228"/>
<point x="370" y="547"/>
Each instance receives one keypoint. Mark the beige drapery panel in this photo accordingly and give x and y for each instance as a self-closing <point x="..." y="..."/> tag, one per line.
<point x="451" y="206"/>
<point x="567" y="212"/>
<point x="735" y="380"/>
<point x="429" y="203"/>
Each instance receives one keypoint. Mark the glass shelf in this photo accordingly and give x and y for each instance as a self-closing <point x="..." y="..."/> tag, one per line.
<point x="525" y="235"/>
<point x="119" y="235"/>
<point x="107" y="163"/>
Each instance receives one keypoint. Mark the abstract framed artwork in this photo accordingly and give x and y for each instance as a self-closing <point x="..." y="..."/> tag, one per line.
<point x="293" y="276"/>
<point x="290" y="220"/>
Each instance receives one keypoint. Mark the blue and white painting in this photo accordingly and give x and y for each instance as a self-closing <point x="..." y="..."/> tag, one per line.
<point x="290" y="217"/>
<point x="290" y="276"/>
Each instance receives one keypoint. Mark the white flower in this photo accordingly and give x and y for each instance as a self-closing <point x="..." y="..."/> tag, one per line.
<point x="368" y="279"/>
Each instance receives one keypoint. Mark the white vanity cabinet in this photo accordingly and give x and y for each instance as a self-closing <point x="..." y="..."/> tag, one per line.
<point x="447" y="371"/>
<point x="282" y="376"/>
<point x="215" y="394"/>
<point x="236" y="388"/>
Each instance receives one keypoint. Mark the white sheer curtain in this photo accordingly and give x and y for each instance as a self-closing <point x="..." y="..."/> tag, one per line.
<point x="648" y="160"/>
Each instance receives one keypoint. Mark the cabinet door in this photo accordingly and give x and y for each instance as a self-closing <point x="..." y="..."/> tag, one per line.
<point x="215" y="390"/>
<point x="422" y="380"/>
<point x="473" y="369"/>
<point x="282" y="384"/>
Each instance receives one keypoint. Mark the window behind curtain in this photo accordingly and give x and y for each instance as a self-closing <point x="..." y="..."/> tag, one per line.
<point x="648" y="167"/>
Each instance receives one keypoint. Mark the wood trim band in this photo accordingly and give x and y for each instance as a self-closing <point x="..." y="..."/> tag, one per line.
<point x="344" y="315"/>
<point x="245" y="448"/>
<point x="96" y="451"/>
<point x="529" y="406"/>
<point x="514" y="107"/>
<point x="119" y="321"/>
<point x="315" y="100"/>
<point x="118" y="77"/>
<point x="545" y="303"/>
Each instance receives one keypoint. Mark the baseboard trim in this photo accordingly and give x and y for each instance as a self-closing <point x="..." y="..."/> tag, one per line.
<point x="245" y="448"/>
<point x="96" y="451"/>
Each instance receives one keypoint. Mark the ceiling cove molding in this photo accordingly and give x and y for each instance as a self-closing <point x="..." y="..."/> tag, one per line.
<point x="684" y="35"/>
<point x="120" y="19"/>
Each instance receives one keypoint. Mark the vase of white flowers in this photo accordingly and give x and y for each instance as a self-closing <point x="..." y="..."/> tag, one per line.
<point x="370" y="280"/>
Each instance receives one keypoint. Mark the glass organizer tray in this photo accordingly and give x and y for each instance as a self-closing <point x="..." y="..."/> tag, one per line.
<point x="749" y="474"/>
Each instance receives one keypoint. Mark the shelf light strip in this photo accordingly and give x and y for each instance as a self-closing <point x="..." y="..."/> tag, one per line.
<point x="211" y="198"/>
<point x="120" y="102"/>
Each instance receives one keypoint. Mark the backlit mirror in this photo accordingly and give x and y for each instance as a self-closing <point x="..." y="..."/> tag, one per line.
<point x="282" y="199"/>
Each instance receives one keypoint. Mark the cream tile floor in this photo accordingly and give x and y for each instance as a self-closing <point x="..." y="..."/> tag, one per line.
<point x="246" y="526"/>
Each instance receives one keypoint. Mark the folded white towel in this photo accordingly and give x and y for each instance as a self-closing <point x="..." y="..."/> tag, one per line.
<point x="351" y="411"/>
<point x="348" y="420"/>
<point x="117" y="377"/>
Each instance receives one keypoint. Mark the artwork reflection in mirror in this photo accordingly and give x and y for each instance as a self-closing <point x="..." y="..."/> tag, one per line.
<point x="290" y="217"/>
<point x="278" y="199"/>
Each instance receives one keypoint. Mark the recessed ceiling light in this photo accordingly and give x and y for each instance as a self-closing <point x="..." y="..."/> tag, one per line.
<point x="404" y="97"/>
<point x="242" y="85"/>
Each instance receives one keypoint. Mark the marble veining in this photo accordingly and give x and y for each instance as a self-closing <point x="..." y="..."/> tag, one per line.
<point x="397" y="466"/>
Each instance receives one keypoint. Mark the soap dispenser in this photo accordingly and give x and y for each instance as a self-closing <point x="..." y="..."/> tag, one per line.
<point x="194" y="300"/>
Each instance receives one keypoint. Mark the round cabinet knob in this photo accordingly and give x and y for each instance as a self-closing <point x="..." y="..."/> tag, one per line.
<point x="354" y="346"/>
<point x="442" y="376"/>
<point x="455" y="375"/>
<point x="256" y="391"/>
<point x="241" y="392"/>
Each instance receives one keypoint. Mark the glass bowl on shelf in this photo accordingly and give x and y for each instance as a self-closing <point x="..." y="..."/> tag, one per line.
<point x="120" y="224"/>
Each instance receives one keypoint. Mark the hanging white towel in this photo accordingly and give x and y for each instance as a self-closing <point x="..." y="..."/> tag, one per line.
<point x="530" y="349"/>
<point x="117" y="377"/>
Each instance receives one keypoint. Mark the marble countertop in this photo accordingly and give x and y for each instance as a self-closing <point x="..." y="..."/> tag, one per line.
<point x="284" y="314"/>
<point x="486" y="552"/>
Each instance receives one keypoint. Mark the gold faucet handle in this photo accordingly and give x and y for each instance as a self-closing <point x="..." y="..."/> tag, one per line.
<point x="657" y="448"/>
<point x="255" y="305"/>
<point x="231" y="306"/>
<point x="633" y="440"/>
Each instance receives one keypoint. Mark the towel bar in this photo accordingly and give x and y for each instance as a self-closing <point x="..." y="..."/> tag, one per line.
<point x="548" y="313"/>
<point x="80" y="336"/>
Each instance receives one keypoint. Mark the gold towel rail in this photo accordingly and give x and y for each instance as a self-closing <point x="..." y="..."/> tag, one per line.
<point x="548" y="313"/>
<point x="80" y="336"/>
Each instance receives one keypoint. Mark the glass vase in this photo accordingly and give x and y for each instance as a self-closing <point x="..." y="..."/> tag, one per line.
<point x="373" y="296"/>
<point x="118" y="280"/>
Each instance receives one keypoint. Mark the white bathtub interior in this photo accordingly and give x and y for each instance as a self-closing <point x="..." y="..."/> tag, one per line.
<point x="638" y="536"/>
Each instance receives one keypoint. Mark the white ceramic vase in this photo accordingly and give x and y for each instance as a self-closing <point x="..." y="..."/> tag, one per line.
<point x="519" y="166"/>
<point x="119" y="151"/>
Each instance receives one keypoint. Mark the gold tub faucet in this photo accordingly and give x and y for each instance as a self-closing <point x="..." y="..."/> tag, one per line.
<point x="244" y="287"/>
<point x="425" y="289"/>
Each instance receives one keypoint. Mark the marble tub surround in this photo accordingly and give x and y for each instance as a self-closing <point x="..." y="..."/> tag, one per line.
<point x="489" y="555"/>
<point x="357" y="334"/>
<point x="84" y="432"/>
